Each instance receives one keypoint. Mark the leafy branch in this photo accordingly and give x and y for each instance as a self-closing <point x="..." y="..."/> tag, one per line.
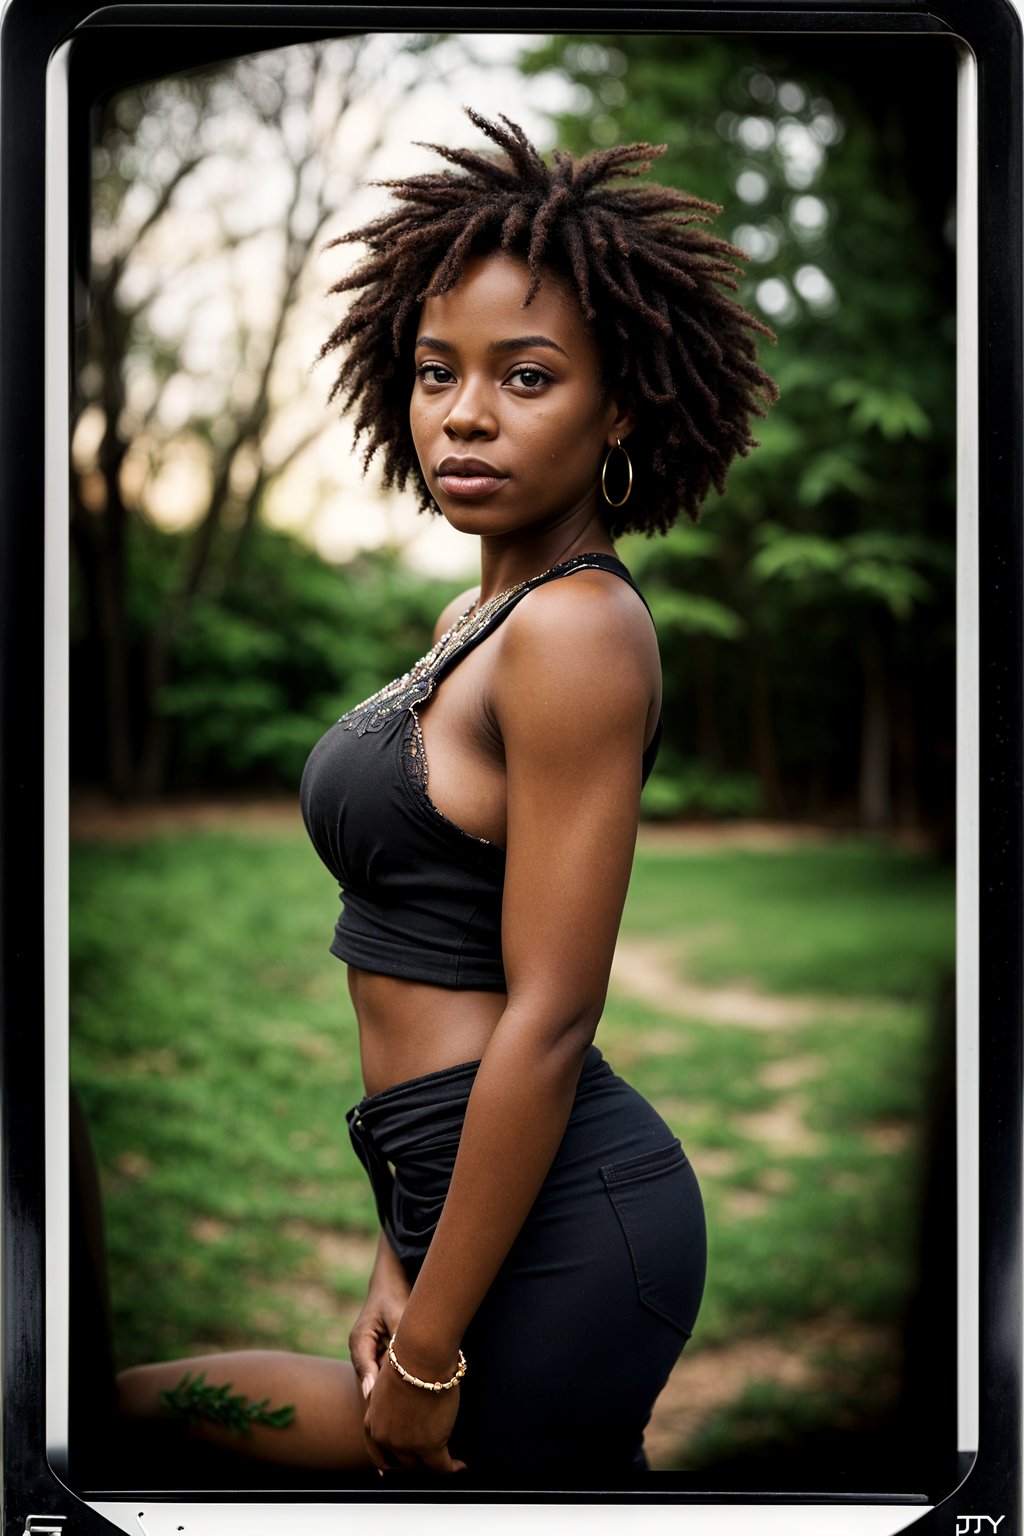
<point x="195" y="1400"/>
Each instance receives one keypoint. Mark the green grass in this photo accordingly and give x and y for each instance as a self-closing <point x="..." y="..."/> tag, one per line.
<point x="841" y="920"/>
<point x="215" y="1053"/>
<point x="214" y="1050"/>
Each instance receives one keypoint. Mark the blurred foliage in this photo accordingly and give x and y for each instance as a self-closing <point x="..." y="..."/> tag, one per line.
<point x="697" y="790"/>
<point x="188" y="363"/>
<point x="266" y="662"/>
<point x="807" y="623"/>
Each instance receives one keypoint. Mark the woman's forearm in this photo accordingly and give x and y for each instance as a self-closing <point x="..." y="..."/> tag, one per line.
<point x="515" y="1119"/>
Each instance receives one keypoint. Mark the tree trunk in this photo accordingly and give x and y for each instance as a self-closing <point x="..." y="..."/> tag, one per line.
<point x="109" y="571"/>
<point x="762" y="735"/>
<point x="709" y="741"/>
<point x="874" y="799"/>
<point x="152" y="772"/>
<point x="908" y="803"/>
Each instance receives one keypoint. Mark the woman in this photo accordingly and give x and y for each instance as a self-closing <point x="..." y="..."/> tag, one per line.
<point x="546" y="354"/>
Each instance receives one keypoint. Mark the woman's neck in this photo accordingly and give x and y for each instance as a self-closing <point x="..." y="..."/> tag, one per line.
<point x="506" y="559"/>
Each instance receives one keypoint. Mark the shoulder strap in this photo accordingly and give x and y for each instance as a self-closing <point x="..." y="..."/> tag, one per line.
<point x="594" y="560"/>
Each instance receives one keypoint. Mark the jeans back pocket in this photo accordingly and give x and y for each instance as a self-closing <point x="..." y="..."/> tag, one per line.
<point x="657" y="1200"/>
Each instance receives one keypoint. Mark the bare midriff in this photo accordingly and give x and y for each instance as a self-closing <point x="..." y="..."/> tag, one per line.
<point x="409" y="1028"/>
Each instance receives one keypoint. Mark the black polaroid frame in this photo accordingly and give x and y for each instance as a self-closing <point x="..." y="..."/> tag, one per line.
<point x="111" y="45"/>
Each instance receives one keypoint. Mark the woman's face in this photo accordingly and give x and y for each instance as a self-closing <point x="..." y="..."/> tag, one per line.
<point x="508" y="414"/>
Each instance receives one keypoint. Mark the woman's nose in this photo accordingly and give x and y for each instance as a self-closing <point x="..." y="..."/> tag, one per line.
<point x="471" y="413"/>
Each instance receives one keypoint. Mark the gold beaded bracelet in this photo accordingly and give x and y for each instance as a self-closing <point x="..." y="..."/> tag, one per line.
<point x="428" y="1386"/>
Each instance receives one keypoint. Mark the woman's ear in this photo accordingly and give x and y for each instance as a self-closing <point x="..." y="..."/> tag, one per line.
<point x="624" y="420"/>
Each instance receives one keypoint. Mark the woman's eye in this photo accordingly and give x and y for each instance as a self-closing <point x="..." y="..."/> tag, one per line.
<point x="429" y="372"/>
<point x="530" y="378"/>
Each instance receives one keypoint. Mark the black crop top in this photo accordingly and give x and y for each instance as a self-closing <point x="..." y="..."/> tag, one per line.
<point x="422" y="897"/>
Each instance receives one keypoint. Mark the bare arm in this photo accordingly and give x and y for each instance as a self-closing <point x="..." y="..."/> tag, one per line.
<point x="571" y="703"/>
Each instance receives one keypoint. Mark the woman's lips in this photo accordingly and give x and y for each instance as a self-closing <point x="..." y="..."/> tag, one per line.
<point x="470" y="485"/>
<point x="467" y="476"/>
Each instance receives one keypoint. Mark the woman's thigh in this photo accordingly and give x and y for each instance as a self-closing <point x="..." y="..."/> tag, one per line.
<point x="594" y="1304"/>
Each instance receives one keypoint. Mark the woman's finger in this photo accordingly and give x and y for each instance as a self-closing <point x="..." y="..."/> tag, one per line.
<point x="374" y="1451"/>
<point x="366" y="1375"/>
<point x="362" y="1350"/>
<point x="440" y="1460"/>
<point x="395" y="1460"/>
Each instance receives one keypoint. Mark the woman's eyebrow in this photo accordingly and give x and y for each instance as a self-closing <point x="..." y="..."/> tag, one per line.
<point x="513" y="344"/>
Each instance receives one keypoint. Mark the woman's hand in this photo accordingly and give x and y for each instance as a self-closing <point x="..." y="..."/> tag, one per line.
<point x="409" y="1427"/>
<point x="385" y="1302"/>
<point x="379" y="1319"/>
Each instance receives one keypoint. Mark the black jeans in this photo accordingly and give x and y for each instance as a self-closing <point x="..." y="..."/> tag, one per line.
<point x="597" y="1296"/>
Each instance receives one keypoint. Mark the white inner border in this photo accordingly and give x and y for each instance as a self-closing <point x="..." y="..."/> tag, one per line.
<point x="715" y="1520"/>
<point x="56" y="738"/>
<point x="968" y="674"/>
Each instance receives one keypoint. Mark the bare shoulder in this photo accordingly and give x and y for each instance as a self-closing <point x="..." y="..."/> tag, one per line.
<point x="451" y="611"/>
<point x="589" y="608"/>
<point x="588" y="634"/>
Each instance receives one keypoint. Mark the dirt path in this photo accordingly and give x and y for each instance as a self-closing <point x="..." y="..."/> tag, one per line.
<point x="649" y="970"/>
<point x="703" y="1384"/>
<point x="701" y="837"/>
<point x="96" y="816"/>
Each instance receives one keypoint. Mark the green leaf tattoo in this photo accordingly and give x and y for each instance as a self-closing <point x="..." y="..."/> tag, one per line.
<point x="195" y="1400"/>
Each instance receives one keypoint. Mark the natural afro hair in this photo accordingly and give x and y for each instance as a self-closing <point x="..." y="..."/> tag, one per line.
<point x="645" y="272"/>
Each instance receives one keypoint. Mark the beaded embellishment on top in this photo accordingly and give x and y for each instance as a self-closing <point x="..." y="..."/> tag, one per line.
<point x="412" y="687"/>
<point x="418" y="683"/>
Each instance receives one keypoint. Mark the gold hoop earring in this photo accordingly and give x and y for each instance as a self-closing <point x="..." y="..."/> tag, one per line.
<point x="604" y="471"/>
